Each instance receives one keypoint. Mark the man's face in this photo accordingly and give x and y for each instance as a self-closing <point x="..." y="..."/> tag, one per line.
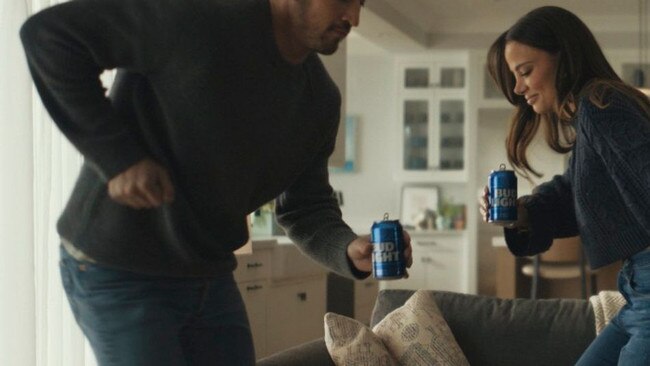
<point x="322" y="24"/>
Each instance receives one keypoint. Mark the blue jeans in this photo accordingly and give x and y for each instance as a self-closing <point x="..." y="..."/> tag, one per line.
<point x="133" y="319"/>
<point x="626" y="339"/>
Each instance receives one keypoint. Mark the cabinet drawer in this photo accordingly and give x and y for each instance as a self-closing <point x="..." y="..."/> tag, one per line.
<point x="441" y="270"/>
<point x="295" y="314"/>
<point x="438" y="244"/>
<point x="254" y="266"/>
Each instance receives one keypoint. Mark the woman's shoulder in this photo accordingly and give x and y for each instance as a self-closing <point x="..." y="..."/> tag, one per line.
<point x="610" y="101"/>
<point x="606" y="108"/>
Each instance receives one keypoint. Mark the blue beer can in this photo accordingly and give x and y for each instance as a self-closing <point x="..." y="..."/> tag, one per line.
<point x="387" y="239"/>
<point x="502" y="196"/>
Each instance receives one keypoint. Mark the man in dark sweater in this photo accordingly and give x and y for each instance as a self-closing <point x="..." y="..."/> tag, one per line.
<point x="218" y="106"/>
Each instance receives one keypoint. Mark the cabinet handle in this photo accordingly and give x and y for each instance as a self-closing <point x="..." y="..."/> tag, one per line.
<point x="369" y="284"/>
<point x="428" y="242"/>
<point x="302" y="296"/>
<point x="426" y="260"/>
<point x="254" y="265"/>
<point x="254" y="287"/>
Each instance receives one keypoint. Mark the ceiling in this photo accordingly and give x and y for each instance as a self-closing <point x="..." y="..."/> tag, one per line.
<point x="424" y="24"/>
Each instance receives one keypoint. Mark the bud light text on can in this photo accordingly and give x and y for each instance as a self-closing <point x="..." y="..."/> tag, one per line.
<point x="503" y="196"/>
<point x="387" y="239"/>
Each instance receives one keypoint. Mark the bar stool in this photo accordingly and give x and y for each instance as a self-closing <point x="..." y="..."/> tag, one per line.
<point x="564" y="260"/>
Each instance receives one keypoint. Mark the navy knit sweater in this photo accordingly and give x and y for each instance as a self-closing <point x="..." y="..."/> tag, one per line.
<point x="604" y="196"/>
<point x="202" y="89"/>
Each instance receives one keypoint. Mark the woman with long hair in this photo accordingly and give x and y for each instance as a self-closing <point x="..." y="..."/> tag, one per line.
<point x="551" y="68"/>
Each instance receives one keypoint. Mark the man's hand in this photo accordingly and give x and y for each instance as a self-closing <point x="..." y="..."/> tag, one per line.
<point x="360" y="252"/>
<point x="145" y="184"/>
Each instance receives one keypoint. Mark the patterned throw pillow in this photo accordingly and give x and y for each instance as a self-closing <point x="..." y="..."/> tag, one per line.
<point x="351" y="343"/>
<point x="415" y="335"/>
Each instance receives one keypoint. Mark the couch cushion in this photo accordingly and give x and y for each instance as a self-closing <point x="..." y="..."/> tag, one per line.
<point x="492" y="331"/>
<point x="313" y="353"/>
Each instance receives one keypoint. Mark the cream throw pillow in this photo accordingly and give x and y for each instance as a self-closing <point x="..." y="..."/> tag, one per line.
<point x="414" y="334"/>
<point x="351" y="343"/>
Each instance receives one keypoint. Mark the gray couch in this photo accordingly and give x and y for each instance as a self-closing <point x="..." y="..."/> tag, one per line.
<point x="490" y="331"/>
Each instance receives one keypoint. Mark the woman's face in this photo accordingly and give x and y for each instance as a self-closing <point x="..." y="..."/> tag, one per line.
<point x="534" y="71"/>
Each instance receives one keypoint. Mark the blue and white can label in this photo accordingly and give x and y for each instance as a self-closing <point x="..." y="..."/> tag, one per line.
<point x="388" y="262"/>
<point x="502" y="196"/>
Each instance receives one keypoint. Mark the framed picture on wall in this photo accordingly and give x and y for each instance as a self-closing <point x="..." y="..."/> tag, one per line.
<point x="419" y="207"/>
<point x="350" y="164"/>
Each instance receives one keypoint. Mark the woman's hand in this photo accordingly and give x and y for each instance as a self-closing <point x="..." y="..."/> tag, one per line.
<point x="484" y="209"/>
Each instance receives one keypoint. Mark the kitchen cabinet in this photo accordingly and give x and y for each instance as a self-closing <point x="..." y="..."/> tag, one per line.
<point x="352" y="298"/>
<point x="435" y="129"/>
<point x="284" y="293"/>
<point x="432" y="120"/>
<point x="490" y="96"/>
<point x="295" y="313"/>
<point x="439" y="263"/>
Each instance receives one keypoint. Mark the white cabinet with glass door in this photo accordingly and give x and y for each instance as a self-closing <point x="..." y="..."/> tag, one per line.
<point x="432" y="106"/>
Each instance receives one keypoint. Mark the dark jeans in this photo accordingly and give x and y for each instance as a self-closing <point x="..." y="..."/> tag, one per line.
<point x="626" y="339"/>
<point x="132" y="319"/>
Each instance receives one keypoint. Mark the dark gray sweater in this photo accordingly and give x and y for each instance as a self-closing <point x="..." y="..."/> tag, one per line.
<point x="202" y="89"/>
<point x="604" y="196"/>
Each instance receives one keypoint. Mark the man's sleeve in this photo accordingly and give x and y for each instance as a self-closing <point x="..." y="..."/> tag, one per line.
<point x="69" y="45"/>
<point x="312" y="219"/>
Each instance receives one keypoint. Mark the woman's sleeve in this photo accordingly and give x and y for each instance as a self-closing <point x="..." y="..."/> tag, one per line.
<point x="551" y="215"/>
<point x="620" y="135"/>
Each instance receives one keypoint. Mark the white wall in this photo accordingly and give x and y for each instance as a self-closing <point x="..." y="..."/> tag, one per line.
<point x="17" y="323"/>
<point x="369" y="191"/>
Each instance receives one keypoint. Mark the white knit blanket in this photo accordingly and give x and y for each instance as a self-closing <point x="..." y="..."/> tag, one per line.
<point x="606" y="305"/>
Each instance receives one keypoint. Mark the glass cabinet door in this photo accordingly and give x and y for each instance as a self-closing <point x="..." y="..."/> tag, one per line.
<point x="416" y="77"/>
<point x="452" y="77"/>
<point x="416" y="134"/>
<point x="452" y="134"/>
<point x="433" y="118"/>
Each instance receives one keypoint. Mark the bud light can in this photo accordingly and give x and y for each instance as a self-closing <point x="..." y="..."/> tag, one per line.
<point x="387" y="239"/>
<point x="502" y="196"/>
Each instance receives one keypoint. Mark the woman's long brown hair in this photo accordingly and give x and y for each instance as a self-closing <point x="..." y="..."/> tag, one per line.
<point x="582" y="70"/>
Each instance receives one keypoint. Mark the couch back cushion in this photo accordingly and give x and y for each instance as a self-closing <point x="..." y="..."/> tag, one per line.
<point x="504" y="332"/>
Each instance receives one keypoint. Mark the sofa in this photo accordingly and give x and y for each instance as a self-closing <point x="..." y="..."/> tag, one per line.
<point x="489" y="330"/>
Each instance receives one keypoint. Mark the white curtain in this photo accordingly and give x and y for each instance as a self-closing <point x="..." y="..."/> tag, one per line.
<point x="38" y="169"/>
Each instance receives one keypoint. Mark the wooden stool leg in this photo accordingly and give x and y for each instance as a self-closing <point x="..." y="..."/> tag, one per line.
<point x="535" y="280"/>
<point x="583" y="275"/>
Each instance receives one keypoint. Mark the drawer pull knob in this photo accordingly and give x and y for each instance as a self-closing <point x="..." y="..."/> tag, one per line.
<point x="253" y="288"/>
<point x="302" y="296"/>
<point x="254" y="265"/>
<point x="429" y="242"/>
